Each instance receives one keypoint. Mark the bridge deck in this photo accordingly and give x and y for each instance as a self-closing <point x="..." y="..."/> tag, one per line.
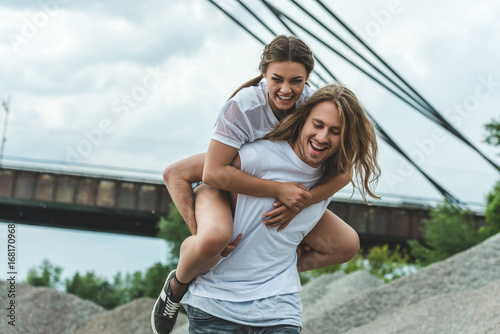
<point x="134" y="207"/>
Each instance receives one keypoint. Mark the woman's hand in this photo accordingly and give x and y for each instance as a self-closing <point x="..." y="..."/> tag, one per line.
<point x="281" y="216"/>
<point x="294" y="195"/>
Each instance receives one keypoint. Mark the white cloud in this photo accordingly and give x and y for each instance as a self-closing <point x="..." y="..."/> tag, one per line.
<point x="91" y="58"/>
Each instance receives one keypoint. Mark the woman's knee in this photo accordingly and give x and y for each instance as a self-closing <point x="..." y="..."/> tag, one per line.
<point x="211" y="244"/>
<point x="214" y="219"/>
<point x="348" y="245"/>
<point x="352" y="245"/>
<point x="336" y="239"/>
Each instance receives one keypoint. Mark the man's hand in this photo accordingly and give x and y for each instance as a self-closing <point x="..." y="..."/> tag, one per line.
<point x="293" y="195"/>
<point x="232" y="246"/>
<point x="303" y="248"/>
<point x="281" y="216"/>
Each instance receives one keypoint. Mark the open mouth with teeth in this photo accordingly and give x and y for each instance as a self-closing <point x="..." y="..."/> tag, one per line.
<point x="284" y="99"/>
<point x="317" y="148"/>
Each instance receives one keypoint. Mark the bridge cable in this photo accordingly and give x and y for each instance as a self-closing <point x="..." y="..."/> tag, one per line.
<point x="364" y="59"/>
<point x="442" y="121"/>
<point x="384" y="134"/>
<point x="393" y="144"/>
<point x="279" y="13"/>
<point x="434" y="116"/>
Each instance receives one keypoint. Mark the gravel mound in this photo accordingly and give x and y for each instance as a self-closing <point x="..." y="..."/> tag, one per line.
<point x="404" y="306"/>
<point x="44" y="310"/>
<point x="318" y="287"/>
<point x="460" y="295"/>
<point x="323" y="295"/>
<point x="48" y="311"/>
<point x="446" y="313"/>
<point x="132" y="318"/>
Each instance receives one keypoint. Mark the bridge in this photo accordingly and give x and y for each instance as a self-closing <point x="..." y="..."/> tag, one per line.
<point x="134" y="206"/>
<point x="82" y="201"/>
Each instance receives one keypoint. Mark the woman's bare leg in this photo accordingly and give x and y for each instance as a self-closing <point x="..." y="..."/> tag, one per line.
<point x="200" y="252"/>
<point x="332" y="241"/>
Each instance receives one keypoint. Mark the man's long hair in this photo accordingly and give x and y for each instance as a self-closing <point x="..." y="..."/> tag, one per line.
<point x="356" y="157"/>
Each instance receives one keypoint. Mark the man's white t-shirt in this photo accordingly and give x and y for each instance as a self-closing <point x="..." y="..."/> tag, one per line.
<point x="248" y="116"/>
<point x="264" y="264"/>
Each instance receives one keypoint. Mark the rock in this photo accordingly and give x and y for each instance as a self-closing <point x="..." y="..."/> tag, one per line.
<point x="460" y="276"/>
<point x="331" y="290"/>
<point x="472" y="311"/>
<point x="460" y="295"/>
<point x="43" y="310"/>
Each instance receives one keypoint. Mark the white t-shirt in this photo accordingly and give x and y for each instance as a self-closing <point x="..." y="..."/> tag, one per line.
<point x="265" y="262"/>
<point x="248" y="116"/>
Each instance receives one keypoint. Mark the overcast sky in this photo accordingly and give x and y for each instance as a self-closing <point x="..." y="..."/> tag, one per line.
<point x="139" y="84"/>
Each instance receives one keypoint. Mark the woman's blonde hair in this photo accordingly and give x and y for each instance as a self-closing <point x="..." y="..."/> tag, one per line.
<point x="356" y="156"/>
<point x="282" y="48"/>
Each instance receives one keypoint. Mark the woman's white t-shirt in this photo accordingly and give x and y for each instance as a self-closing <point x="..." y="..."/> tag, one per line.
<point x="248" y="116"/>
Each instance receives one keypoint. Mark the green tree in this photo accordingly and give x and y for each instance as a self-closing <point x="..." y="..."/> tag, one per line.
<point x="107" y="296"/>
<point x="129" y="287"/>
<point x="493" y="133"/>
<point x="121" y="290"/>
<point x="155" y="278"/>
<point x="492" y="212"/>
<point x="95" y="289"/>
<point x="46" y="274"/>
<point x="134" y="286"/>
<point x="174" y="230"/>
<point x="388" y="264"/>
<point x="449" y="230"/>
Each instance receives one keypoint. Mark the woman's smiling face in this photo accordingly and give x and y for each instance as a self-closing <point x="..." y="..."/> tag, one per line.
<point x="285" y="83"/>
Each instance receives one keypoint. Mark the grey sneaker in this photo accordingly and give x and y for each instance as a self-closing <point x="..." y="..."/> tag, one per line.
<point x="165" y="311"/>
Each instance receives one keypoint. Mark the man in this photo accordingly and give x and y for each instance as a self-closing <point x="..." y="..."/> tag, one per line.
<point x="256" y="289"/>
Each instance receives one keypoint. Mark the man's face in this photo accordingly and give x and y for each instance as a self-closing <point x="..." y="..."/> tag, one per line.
<point x="285" y="83"/>
<point x="320" y="135"/>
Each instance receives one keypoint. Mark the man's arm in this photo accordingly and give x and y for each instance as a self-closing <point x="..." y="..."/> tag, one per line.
<point x="178" y="178"/>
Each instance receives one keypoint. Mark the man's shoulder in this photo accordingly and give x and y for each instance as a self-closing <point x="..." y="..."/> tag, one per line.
<point x="260" y="154"/>
<point x="264" y="144"/>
